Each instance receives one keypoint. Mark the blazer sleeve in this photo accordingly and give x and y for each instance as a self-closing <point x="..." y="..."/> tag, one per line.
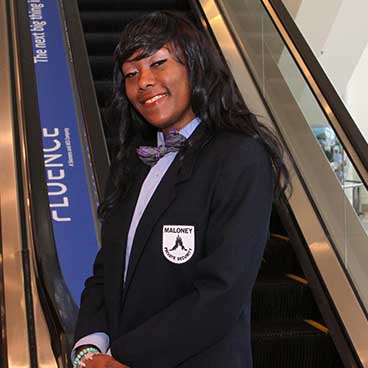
<point x="92" y="313"/>
<point x="235" y="239"/>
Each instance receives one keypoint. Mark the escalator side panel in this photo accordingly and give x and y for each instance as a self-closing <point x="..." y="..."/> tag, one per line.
<point x="72" y="207"/>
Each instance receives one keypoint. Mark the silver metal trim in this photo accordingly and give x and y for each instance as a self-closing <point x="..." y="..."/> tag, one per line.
<point x="333" y="274"/>
<point x="15" y="313"/>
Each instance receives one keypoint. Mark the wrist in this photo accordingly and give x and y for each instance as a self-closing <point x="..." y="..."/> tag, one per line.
<point x="84" y="352"/>
<point x="81" y="347"/>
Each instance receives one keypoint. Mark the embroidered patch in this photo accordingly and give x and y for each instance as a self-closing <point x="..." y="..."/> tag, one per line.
<point x="178" y="243"/>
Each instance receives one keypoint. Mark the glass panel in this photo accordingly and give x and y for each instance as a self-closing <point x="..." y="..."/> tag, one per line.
<point x="313" y="143"/>
<point x="327" y="26"/>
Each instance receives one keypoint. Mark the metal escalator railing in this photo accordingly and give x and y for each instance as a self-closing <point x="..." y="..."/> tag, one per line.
<point x="12" y="232"/>
<point x="322" y="88"/>
<point x="350" y="163"/>
<point x="336" y="239"/>
<point x="3" y="350"/>
<point x="321" y="33"/>
<point x="24" y="331"/>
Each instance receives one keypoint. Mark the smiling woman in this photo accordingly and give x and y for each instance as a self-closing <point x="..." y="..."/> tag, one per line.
<point x="186" y="212"/>
<point x="158" y="88"/>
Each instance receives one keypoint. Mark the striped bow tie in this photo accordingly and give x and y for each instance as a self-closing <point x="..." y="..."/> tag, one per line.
<point x="150" y="155"/>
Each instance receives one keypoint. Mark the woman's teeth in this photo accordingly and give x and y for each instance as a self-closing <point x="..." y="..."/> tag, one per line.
<point x="153" y="99"/>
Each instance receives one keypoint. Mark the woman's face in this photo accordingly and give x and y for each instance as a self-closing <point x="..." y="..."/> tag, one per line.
<point x="158" y="88"/>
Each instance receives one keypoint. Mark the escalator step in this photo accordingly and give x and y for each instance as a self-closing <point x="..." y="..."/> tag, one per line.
<point x="103" y="92"/>
<point x="142" y="5"/>
<point x="102" y="67"/>
<point x="279" y="258"/>
<point x="102" y="43"/>
<point x="292" y="344"/>
<point x="113" y="21"/>
<point x="277" y="299"/>
<point x="107" y="21"/>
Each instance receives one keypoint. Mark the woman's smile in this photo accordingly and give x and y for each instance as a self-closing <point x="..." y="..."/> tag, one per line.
<point x="155" y="100"/>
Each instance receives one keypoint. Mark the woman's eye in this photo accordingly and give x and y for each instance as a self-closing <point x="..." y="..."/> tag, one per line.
<point x="129" y="75"/>
<point x="159" y="62"/>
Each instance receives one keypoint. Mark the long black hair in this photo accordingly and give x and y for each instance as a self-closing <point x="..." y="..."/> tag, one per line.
<point x="214" y="99"/>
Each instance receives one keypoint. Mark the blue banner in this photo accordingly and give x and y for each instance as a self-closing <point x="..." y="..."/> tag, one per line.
<point x="66" y="164"/>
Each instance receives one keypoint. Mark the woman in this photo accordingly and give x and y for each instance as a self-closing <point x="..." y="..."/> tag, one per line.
<point x="186" y="214"/>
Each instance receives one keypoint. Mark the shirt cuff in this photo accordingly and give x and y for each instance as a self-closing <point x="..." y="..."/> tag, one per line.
<point x="98" y="339"/>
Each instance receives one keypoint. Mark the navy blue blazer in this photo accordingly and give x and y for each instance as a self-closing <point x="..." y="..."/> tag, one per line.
<point x="191" y="312"/>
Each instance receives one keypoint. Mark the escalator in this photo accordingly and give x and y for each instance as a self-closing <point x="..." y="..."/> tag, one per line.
<point x="296" y="322"/>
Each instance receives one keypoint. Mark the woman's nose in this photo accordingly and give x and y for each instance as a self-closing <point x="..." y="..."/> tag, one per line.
<point x="146" y="78"/>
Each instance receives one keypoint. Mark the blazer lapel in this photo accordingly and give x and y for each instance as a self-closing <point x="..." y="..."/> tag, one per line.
<point x="180" y="170"/>
<point x="115" y="233"/>
<point x="161" y="199"/>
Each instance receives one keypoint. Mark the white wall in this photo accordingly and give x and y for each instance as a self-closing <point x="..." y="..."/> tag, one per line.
<point x="357" y="92"/>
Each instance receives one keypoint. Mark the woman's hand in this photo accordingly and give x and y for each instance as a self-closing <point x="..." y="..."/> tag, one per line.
<point x="103" y="361"/>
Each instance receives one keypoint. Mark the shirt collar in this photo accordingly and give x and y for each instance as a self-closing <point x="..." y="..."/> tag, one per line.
<point x="187" y="131"/>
